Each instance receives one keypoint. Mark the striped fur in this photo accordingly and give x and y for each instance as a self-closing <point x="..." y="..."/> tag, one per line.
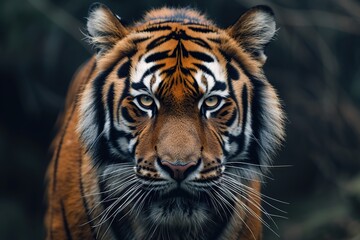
<point x="168" y="131"/>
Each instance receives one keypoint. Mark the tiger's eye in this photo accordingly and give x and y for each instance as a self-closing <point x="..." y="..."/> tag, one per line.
<point x="146" y="101"/>
<point x="212" y="102"/>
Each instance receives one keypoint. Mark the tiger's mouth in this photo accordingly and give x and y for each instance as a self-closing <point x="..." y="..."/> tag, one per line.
<point x="182" y="192"/>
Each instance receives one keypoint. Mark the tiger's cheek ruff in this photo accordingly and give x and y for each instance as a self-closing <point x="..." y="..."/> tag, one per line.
<point x="103" y="122"/>
<point x="270" y="124"/>
<point x="91" y="116"/>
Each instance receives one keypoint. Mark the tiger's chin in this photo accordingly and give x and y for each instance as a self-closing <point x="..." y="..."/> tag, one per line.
<point x="178" y="213"/>
<point x="178" y="210"/>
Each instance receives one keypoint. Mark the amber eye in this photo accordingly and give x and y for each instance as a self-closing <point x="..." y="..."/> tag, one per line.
<point x="212" y="102"/>
<point x="145" y="101"/>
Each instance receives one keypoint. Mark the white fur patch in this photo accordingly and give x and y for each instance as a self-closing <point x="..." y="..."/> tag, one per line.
<point x="264" y="24"/>
<point x="87" y="128"/>
<point x="97" y="21"/>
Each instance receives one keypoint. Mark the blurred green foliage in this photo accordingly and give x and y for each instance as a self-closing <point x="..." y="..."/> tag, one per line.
<point x="314" y="63"/>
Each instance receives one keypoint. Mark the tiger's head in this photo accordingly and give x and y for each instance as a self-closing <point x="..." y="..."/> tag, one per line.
<point x="178" y="117"/>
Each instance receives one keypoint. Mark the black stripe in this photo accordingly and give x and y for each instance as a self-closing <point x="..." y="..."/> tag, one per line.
<point x="226" y="104"/>
<point x="231" y="88"/>
<point x="122" y="97"/>
<point x="241" y="139"/>
<point x="225" y="55"/>
<point x="200" y="42"/>
<point x="163" y="85"/>
<point x="65" y="222"/>
<point x="135" y="109"/>
<point x="114" y="133"/>
<point x="220" y="86"/>
<point x="228" y="57"/>
<point x="157" y="56"/>
<point x="84" y="203"/>
<point x="244" y="98"/>
<point x="110" y="102"/>
<point x="224" y="113"/>
<point x="98" y="86"/>
<point x="140" y="40"/>
<point x="60" y="147"/>
<point x="178" y="35"/>
<point x="215" y="40"/>
<point x="209" y="169"/>
<point x="157" y="41"/>
<point x="232" y="72"/>
<point x="125" y="92"/>
<point x="128" y="52"/>
<point x="124" y="70"/>
<point x="205" y="70"/>
<point x="152" y="70"/>
<point x="231" y="120"/>
<point x="138" y="86"/>
<point x="138" y="113"/>
<point x="256" y="121"/>
<point x="125" y="114"/>
<point x="201" y="56"/>
<point x="156" y="28"/>
<point x="201" y="29"/>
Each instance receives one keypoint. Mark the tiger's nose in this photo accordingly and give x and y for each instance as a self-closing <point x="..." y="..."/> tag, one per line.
<point x="179" y="170"/>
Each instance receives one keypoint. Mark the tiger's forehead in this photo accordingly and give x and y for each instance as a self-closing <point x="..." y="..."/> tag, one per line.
<point x="180" y="60"/>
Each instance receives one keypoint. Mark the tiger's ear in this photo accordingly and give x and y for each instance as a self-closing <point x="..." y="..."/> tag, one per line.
<point x="254" y="30"/>
<point x="104" y="28"/>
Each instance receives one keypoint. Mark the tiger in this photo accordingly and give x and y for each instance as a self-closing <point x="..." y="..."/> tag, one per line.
<point x="168" y="130"/>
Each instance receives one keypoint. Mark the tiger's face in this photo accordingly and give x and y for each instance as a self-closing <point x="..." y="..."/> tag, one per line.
<point x="178" y="116"/>
<point x="186" y="114"/>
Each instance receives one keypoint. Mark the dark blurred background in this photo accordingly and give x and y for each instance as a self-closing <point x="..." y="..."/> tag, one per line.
<point x="314" y="63"/>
